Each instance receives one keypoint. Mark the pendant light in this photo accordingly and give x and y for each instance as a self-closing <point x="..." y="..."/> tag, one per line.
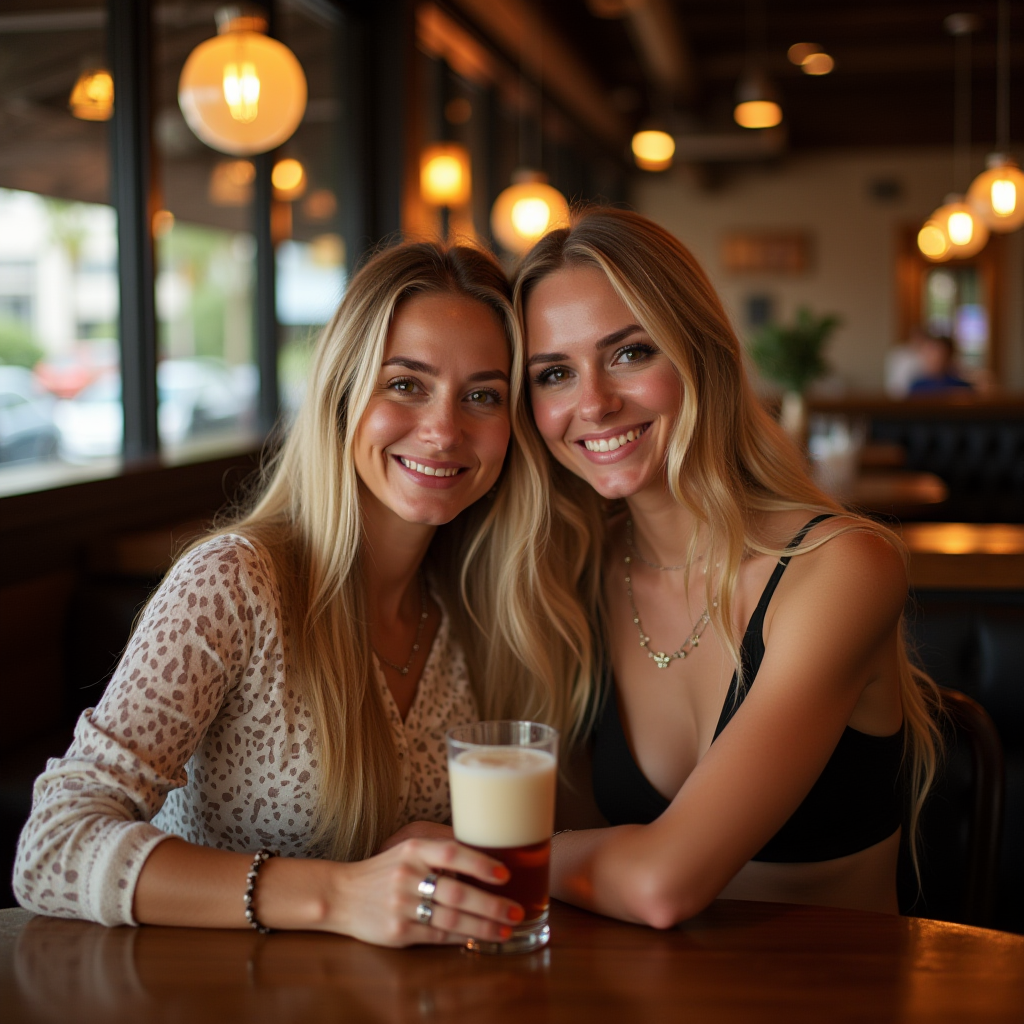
<point x="965" y="232"/>
<point x="933" y="242"/>
<point x="527" y="210"/>
<point x="997" y="194"/>
<point x="242" y="92"/>
<point x="92" y="96"/>
<point x="653" y="149"/>
<point x="445" y="178"/>
<point x="757" y="102"/>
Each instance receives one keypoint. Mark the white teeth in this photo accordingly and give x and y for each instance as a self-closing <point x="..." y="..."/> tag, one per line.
<point x="427" y="470"/>
<point x="611" y="444"/>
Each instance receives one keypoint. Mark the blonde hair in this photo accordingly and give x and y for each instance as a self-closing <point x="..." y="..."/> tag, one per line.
<point x="727" y="459"/>
<point x="307" y="518"/>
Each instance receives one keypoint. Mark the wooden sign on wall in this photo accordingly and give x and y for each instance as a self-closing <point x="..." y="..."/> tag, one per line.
<point x="766" y="252"/>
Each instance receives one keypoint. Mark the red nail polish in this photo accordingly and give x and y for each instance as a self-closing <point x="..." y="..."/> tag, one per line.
<point x="516" y="914"/>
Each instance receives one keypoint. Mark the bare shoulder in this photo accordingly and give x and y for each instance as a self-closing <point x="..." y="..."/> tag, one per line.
<point x="854" y="563"/>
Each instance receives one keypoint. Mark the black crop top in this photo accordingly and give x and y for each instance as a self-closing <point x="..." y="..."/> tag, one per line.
<point x="857" y="800"/>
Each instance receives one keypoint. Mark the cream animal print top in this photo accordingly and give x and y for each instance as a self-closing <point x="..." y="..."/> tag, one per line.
<point x="200" y="735"/>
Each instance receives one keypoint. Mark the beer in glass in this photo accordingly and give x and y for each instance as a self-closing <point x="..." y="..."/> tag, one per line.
<point x="502" y="777"/>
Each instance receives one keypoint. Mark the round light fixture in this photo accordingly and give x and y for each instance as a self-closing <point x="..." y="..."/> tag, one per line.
<point x="817" y="64"/>
<point x="933" y="243"/>
<point x="799" y="52"/>
<point x="966" y="231"/>
<point x="653" y="150"/>
<point x="756" y="103"/>
<point x="92" y="96"/>
<point x="445" y="174"/>
<point x="289" y="179"/>
<point x="242" y="92"/>
<point x="526" y="211"/>
<point x="997" y="194"/>
<point x="231" y="183"/>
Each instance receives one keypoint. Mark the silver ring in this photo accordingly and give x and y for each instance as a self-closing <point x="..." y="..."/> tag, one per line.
<point x="424" y="912"/>
<point x="427" y="887"/>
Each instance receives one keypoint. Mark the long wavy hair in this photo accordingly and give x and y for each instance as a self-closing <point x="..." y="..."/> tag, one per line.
<point x="308" y="520"/>
<point x="727" y="459"/>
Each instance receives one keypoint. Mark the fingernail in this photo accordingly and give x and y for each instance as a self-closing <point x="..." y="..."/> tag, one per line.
<point x="516" y="914"/>
<point x="501" y="873"/>
<point x="505" y="933"/>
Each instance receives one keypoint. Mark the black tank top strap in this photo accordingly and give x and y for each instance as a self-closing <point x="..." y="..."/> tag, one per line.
<point x="752" y="647"/>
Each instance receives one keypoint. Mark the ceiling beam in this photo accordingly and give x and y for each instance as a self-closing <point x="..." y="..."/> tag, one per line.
<point x="522" y="31"/>
<point x="661" y="45"/>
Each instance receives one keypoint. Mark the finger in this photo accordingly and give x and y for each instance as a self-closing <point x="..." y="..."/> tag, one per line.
<point x="453" y="921"/>
<point x="470" y="900"/>
<point x="448" y="855"/>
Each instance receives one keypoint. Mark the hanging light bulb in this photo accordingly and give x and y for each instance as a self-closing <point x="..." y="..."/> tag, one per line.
<point x="526" y="211"/>
<point x="933" y="242"/>
<point x="756" y="103"/>
<point x="241" y="92"/>
<point x="653" y="150"/>
<point x="445" y="178"/>
<point x="289" y="180"/>
<point x="966" y="232"/>
<point x="92" y="96"/>
<point x="997" y="194"/>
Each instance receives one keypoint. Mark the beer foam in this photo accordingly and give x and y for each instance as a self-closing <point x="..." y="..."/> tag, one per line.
<point x="502" y="796"/>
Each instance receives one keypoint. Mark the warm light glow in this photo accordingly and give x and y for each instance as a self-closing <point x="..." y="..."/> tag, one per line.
<point x="320" y="205"/>
<point x="163" y="221"/>
<point x="231" y="183"/>
<point x="995" y="194"/>
<point x="799" y="52"/>
<point x="817" y="64"/>
<point x="758" y="114"/>
<point x="524" y="212"/>
<point x="965" y="231"/>
<point x="242" y="92"/>
<point x="444" y="175"/>
<point x="289" y="179"/>
<point x="932" y="241"/>
<point x="653" y="150"/>
<point x="1004" y="197"/>
<point x="92" y="97"/>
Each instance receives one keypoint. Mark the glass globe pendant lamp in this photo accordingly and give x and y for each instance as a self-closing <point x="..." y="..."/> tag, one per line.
<point x="445" y="178"/>
<point x="966" y="231"/>
<point x="92" y="98"/>
<point x="526" y="211"/>
<point x="757" y="104"/>
<point x="997" y="194"/>
<point x="242" y="92"/>
<point x="933" y="242"/>
<point x="653" y="149"/>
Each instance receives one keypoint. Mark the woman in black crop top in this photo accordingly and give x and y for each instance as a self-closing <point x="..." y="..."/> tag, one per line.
<point x="758" y="730"/>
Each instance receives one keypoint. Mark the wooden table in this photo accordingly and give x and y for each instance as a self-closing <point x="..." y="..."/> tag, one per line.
<point x="900" y="493"/>
<point x="749" y="962"/>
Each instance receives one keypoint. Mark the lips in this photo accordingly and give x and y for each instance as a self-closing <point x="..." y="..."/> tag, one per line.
<point x="615" y="442"/>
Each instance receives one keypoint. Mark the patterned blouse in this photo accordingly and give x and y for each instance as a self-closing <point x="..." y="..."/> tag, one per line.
<point x="200" y="735"/>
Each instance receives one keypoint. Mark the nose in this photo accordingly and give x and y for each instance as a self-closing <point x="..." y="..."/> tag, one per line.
<point x="597" y="398"/>
<point x="441" y="426"/>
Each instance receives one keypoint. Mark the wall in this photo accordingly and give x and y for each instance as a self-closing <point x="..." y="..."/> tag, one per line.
<point x="854" y="242"/>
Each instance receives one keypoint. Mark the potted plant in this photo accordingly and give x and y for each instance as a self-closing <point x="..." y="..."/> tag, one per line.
<point x="793" y="356"/>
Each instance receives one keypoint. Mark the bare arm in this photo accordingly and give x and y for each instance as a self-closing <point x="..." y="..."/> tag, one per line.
<point x="833" y="632"/>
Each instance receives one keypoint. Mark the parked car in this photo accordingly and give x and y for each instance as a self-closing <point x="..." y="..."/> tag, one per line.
<point x="196" y="396"/>
<point x="27" y="428"/>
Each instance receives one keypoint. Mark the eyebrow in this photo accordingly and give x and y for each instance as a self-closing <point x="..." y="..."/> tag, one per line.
<point x="606" y="342"/>
<point x="432" y="371"/>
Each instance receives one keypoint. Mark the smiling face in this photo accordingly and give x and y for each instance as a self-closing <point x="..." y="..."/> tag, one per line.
<point x="433" y="437"/>
<point x="604" y="397"/>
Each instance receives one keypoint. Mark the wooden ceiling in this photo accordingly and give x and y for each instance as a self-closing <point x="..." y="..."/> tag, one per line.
<point x="893" y="82"/>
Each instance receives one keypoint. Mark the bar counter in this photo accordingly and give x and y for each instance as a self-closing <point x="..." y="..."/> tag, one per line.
<point x="737" y="961"/>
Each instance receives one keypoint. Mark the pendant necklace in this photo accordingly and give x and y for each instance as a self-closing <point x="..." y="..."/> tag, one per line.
<point x="404" y="669"/>
<point x="660" y="658"/>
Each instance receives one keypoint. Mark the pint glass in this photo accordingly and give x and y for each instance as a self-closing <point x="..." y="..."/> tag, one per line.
<point x="502" y="777"/>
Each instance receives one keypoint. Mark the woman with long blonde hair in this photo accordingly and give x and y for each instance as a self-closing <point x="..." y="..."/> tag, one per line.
<point x="288" y="688"/>
<point x="759" y="732"/>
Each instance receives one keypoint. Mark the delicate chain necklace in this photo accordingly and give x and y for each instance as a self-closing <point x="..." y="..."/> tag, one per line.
<point x="660" y="658"/>
<point x="632" y="547"/>
<point x="404" y="669"/>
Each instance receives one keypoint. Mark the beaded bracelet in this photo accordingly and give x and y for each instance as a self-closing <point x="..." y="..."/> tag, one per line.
<point x="260" y="858"/>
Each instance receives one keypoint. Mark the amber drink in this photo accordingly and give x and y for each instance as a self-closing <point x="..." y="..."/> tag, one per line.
<point x="502" y="777"/>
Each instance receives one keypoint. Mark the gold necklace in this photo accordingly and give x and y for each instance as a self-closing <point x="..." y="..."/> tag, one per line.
<point x="404" y="669"/>
<point x="660" y="658"/>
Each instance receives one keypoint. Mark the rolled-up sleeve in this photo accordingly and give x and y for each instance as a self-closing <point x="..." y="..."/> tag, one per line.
<point x="89" y="833"/>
